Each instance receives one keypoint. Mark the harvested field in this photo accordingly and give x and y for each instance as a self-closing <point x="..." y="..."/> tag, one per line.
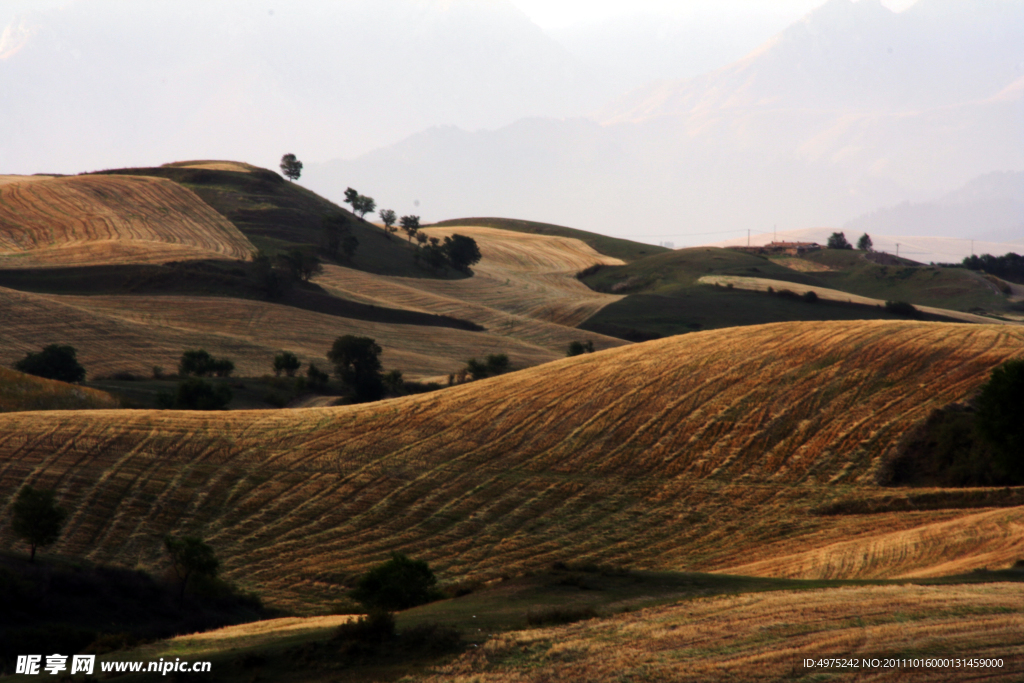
<point x="95" y="220"/>
<point x="524" y="288"/>
<point x="760" y="284"/>
<point x="766" y="637"/>
<point x="706" y="451"/>
<point x="19" y="391"/>
<point x="134" y="333"/>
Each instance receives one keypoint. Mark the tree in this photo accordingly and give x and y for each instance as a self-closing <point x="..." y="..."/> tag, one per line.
<point x="349" y="245"/>
<point x="837" y="240"/>
<point x="388" y="218"/>
<point x="37" y="519"/>
<point x="1000" y="409"/>
<point x="199" y="363"/>
<point x="301" y="265"/>
<point x="53" y="362"/>
<point x="421" y="237"/>
<point x="578" y="348"/>
<point x="316" y="379"/>
<point x="272" y="280"/>
<point x="351" y="198"/>
<point x="190" y="557"/>
<point x="411" y="225"/>
<point x="291" y="167"/>
<point x="399" y="583"/>
<point x="393" y="382"/>
<point x="335" y="228"/>
<point x="357" y="363"/>
<point x="287" y="362"/>
<point x="864" y="243"/>
<point x="461" y="251"/>
<point x="196" y="394"/>
<point x="496" y="364"/>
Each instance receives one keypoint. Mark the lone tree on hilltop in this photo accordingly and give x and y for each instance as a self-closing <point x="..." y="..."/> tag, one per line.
<point x="53" y="362"/>
<point x="286" y="362"/>
<point x="864" y="243"/>
<point x="837" y="240"/>
<point x="291" y="167"/>
<point x="399" y="583"/>
<point x="37" y="519"/>
<point x="190" y="557"/>
<point x="411" y="226"/>
<point x="461" y="251"/>
<point x="1000" y="408"/>
<point x="357" y="363"/>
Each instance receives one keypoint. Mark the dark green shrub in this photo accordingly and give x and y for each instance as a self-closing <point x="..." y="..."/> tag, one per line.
<point x="196" y="394"/>
<point x="810" y="297"/>
<point x="902" y="308"/>
<point x="1001" y="418"/>
<point x="578" y="348"/>
<point x="53" y="362"/>
<point x="399" y="583"/>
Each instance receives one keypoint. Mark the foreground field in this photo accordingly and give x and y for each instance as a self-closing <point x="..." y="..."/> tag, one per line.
<point x="706" y="451"/>
<point x="767" y="637"/>
<point x="93" y="220"/>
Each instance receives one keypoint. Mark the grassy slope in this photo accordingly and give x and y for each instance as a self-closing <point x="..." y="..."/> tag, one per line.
<point x="704" y="451"/>
<point x="665" y="298"/>
<point x="276" y="215"/>
<point x="627" y="250"/>
<point x="954" y="288"/>
<point x="19" y="391"/>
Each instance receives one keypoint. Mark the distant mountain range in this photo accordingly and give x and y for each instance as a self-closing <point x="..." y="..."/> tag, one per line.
<point x="852" y="108"/>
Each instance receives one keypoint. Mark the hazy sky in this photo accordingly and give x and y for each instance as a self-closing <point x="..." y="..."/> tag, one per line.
<point x="559" y="13"/>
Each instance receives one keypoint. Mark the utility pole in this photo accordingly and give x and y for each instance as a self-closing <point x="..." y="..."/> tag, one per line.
<point x="972" y="247"/>
<point x="748" y="237"/>
<point x="897" y="251"/>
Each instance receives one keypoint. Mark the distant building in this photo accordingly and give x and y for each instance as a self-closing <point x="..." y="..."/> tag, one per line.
<point x="781" y="248"/>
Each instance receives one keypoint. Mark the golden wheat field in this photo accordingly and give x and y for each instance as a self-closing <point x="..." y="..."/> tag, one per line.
<point x="134" y="333"/>
<point x="524" y="287"/>
<point x="768" y="637"/>
<point x="707" y="451"/>
<point x="763" y="284"/>
<point x="96" y="220"/>
<point x="19" y="391"/>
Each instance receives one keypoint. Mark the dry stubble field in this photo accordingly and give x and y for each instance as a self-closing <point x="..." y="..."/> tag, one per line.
<point x="529" y="320"/>
<point x="707" y="451"/>
<point x="96" y="220"/>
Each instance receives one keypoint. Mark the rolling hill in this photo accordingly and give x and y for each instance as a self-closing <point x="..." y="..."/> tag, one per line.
<point x="94" y="220"/>
<point x="708" y="451"/>
<point x="19" y="391"/>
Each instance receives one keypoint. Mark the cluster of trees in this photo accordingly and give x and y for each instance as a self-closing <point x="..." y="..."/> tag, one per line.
<point x="1009" y="267"/>
<point x="53" y="362"/>
<point x="337" y="236"/>
<point x="276" y="275"/>
<point x="837" y="240"/>
<point x="578" y="348"/>
<point x="360" y="203"/>
<point x="978" y="443"/>
<point x="199" y="363"/>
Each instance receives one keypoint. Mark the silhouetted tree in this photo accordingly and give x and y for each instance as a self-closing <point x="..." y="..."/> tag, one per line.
<point x="461" y="251"/>
<point x="286" y="362"/>
<point x="200" y="363"/>
<point x="351" y="198"/>
<point x="1000" y="413"/>
<point x="411" y="225"/>
<point x="300" y="265"/>
<point x="578" y="348"/>
<point x="316" y="379"/>
<point x="387" y="217"/>
<point x="496" y="364"/>
<point x="864" y="243"/>
<point x="837" y="240"/>
<point x="357" y="363"/>
<point x="335" y="228"/>
<point x="190" y="557"/>
<point x="291" y="167"/>
<point x="399" y="583"/>
<point x="53" y="362"/>
<point x="37" y="519"/>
